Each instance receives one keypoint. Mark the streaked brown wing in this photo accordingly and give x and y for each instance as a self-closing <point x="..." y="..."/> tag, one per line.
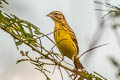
<point x="73" y="37"/>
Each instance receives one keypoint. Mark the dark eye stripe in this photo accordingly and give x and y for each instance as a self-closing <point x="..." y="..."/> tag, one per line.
<point x="57" y="17"/>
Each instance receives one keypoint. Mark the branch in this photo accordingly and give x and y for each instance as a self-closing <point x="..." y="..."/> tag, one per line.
<point x="24" y="32"/>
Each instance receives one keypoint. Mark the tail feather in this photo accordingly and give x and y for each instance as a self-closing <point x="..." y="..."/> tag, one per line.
<point x="77" y="63"/>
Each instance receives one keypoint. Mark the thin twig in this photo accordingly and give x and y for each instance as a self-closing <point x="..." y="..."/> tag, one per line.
<point x="68" y="74"/>
<point x="54" y="70"/>
<point x="100" y="76"/>
<point x="92" y="49"/>
<point x="40" y="44"/>
<point x="61" y="74"/>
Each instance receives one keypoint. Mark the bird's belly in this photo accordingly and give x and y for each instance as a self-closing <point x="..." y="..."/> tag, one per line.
<point x="66" y="48"/>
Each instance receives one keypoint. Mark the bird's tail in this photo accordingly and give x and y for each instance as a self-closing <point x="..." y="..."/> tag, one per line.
<point x="77" y="63"/>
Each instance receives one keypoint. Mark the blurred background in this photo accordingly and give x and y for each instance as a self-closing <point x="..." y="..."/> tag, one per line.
<point x="88" y="24"/>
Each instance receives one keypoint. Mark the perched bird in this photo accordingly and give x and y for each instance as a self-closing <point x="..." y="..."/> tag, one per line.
<point x="65" y="38"/>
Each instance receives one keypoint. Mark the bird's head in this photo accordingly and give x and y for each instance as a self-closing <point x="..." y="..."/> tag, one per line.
<point x="57" y="16"/>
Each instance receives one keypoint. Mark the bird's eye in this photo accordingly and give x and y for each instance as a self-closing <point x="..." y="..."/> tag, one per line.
<point x="55" y="13"/>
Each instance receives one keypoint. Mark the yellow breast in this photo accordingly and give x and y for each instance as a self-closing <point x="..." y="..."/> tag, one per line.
<point x="64" y="42"/>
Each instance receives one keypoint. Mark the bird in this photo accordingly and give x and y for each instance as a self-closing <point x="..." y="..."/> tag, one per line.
<point x="65" y="38"/>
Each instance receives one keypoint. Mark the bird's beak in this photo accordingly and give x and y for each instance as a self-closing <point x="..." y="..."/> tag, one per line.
<point x="49" y="15"/>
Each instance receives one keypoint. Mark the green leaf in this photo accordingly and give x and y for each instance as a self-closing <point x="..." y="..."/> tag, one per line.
<point x="30" y="30"/>
<point x="19" y="43"/>
<point x="21" y="60"/>
<point x="29" y="35"/>
<point x="34" y="44"/>
<point x="37" y="32"/>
